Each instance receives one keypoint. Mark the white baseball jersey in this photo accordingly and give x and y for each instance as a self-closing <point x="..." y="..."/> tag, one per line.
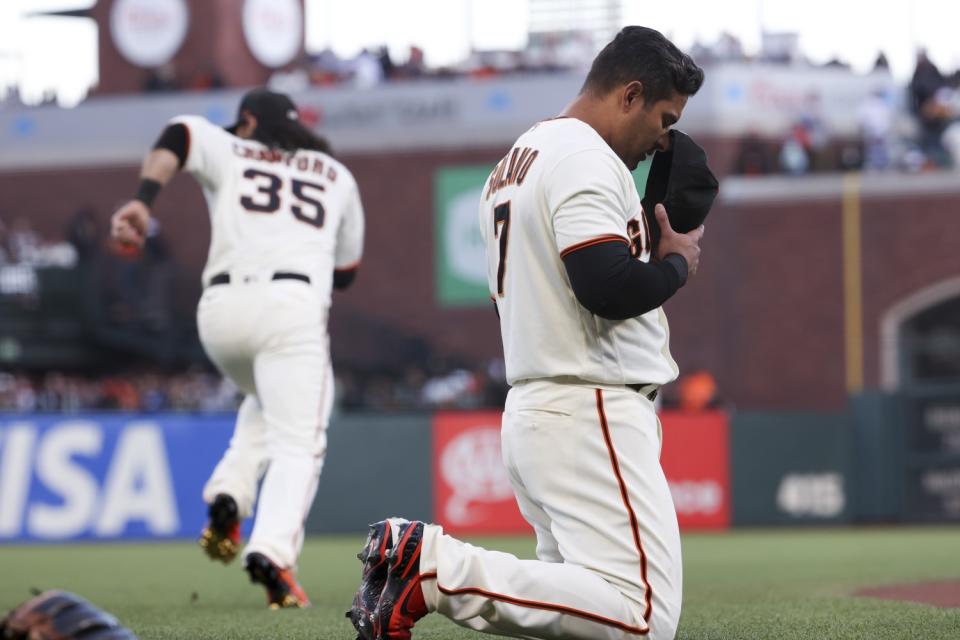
<point x="271" y="210"/>
<point x="559" y="189"/>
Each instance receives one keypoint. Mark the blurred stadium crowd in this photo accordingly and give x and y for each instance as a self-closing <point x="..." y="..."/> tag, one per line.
<point x="125" y="298"/>
<point x="375" y="65"/>
<point x="200" y="390"/>
<point x="149" y="369"/>
<point x="931" y="99"/>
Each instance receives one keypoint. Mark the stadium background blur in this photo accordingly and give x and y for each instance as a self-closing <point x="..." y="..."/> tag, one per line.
<point x="819" y="345"/>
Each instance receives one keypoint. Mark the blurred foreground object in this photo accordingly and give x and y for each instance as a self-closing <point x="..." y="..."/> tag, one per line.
<point x="60" y="615"/>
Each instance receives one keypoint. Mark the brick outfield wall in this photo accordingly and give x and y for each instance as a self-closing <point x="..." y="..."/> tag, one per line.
<point x="765" y="314"/>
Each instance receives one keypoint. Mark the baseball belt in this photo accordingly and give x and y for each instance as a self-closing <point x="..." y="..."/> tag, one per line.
<point x="650" y="391"/>
<point x="224" y="278"/>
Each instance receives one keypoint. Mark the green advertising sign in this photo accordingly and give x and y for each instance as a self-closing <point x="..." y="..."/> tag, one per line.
<point x="460" y="265"/>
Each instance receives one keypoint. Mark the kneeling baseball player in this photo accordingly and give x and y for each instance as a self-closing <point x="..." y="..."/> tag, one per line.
<point x="579" y="271"/>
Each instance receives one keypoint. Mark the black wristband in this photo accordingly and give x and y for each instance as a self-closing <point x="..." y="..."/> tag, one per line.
<point x="679" y="263"/>
<point x="147" y="191"/>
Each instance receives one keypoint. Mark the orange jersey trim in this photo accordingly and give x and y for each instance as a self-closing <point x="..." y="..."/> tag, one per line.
<point x="647" y="238"/>
<point x="350" y="267"/>
<point x="591" y="242"/>
<point x="534" y="604"/>
<point x="634" y="523"/>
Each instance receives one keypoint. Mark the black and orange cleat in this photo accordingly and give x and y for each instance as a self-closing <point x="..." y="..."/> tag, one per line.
<point x="373" y="576"/>
<point x="220" y="539"/>
<point x="401" y="601"/>
<point x="283" y="590"/>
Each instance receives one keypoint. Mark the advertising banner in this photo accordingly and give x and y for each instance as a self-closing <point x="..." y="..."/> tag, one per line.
<point x="460" y="271"/>
<point x="472" y="493"/>
<point x="106" y="477"/>
<point x="696" y="460"/>
<point x="461" y="268"/>
<point x="933" y="468"/>
<point x="791" y="468"/>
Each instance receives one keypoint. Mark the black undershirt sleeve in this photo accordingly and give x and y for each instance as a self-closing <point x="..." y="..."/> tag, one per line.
<point x="343" y="278"/>
<point x="612" y="284"/>
<point x="175" y="138"/>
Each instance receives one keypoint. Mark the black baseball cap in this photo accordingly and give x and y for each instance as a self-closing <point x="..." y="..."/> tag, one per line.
<point x="268" y="107"/>
<point x="682" y="181"/>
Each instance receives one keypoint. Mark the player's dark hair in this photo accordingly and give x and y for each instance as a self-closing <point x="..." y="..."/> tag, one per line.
<point x="290" y="135"/>
<point x="640" y="53"/>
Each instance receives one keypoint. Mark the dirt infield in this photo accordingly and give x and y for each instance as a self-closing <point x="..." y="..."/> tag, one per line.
<point x="945" y="594"/>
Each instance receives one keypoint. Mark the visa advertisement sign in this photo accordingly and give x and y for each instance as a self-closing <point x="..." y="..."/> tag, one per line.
<point x="105" y="477"/>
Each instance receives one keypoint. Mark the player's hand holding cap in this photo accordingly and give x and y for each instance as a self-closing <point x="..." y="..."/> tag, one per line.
<point x="681" y="180"/>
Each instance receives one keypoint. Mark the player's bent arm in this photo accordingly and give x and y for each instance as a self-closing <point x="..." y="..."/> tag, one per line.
<point x="130" y="222"/>
<point x="612" y="284"/>
<point x="343" y="278"/>
<point x="158" y="167"/>
<point x="166" y="158"/>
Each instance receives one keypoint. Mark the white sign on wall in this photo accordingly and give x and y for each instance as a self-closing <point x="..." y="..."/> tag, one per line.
<point x="148" y="33"/>
<point x="273" y="29"/>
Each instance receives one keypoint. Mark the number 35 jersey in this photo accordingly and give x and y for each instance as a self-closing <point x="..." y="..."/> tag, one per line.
<point x="272" y="210"/>
<point x="561" y="188"/>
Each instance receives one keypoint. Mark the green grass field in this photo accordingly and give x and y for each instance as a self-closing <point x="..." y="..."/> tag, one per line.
<point x="752" y="585"/>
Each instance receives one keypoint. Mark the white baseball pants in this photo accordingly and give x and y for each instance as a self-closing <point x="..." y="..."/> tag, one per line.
<point x="584" y="463"/>
<point x="270" y="338"/>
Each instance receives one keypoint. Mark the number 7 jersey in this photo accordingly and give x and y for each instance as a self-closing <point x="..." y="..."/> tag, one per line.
<point x="272" y="210"/>
<point x="561" y="188"/>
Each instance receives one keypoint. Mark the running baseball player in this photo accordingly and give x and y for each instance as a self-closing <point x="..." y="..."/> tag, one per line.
<point x="286" y="227"/>
<point x="578" y="288"/>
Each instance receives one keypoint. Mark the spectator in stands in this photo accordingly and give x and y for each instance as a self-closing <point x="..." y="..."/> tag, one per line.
<point x="83" y="232"/>
<point x="881" y="64"/>
<point x="367" y="70"/>
<point x="4" y="247"/>
<point x="929" y="102"/>
<point x="793" y="154"/>
<point x="23" y="242"/>
<point x="207" y="79"/>
<point x="293" y="78"/>
<point x="326" y="68"/>
<point x="119" y="393"/>
<point x="753" y="156"/>
<point x="453" y="385"/>
<point x="156" y="284"/>
<point x="697" y="391"/>
<point x="349" y="395"/>
<point x="161" y="79"/>
<point x="728" y="48"/>
<point x="407" y="394"/>
<point x="387" y="68"/>
<point x="815" y="135"/>
<point x="415" y="66"/>
<point x="24" y="397"/>
<point x="876" y="127"/>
